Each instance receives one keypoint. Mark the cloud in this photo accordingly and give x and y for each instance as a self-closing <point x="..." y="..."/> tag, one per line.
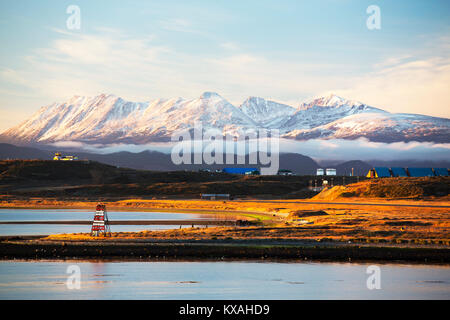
<point x="71" y="144"/>
<point x="392" y="61"/>
<point x="335" y="149"/>
<point x="178" y="25"/>
<point x="144" y="68"/>
<point x="407" y="86"/>
<point x="362" y="149"/>
<point x="13" y="76"/>
<point x="230" y="46"/>
<point x="328" y="144"/>
<point x="88" y="64"/>
<point x="242" y="74"/>
<point x="139" y="69"/>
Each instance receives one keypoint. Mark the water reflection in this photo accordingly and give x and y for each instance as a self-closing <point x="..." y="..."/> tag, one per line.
<point x="84" y="215"/>
<point x="220" y="280"/>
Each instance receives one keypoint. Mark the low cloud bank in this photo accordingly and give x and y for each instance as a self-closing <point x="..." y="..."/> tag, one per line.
<point x="360" y="149"/>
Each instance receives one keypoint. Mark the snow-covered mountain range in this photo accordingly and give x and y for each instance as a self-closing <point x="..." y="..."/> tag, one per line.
<point x="110" y="119"/>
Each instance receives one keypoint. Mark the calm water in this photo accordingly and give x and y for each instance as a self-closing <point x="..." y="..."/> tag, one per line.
<point x="200" y="280"/>
<point x="74" y="214"/>
<point x="220" y="280"/>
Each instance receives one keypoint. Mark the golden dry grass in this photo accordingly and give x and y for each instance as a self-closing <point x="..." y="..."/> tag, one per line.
<point x="338" y="222"/>
<point x="391" y="188"/>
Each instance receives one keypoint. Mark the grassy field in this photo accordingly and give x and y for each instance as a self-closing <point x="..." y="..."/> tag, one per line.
<point x="301" y="220"/>
<point x="392" y="188"/>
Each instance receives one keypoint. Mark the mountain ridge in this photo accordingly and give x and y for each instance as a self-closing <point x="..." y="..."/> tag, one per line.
<point x="108" y="119"/>
<point x="159" y="161"/>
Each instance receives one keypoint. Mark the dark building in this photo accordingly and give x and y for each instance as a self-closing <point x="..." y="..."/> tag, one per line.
<point x="420" y="172"/>
<point x="441" y="172"/>
<point x="215" y="196"/>
<point x="241" y="170"/>
<point x="398" y="172"/>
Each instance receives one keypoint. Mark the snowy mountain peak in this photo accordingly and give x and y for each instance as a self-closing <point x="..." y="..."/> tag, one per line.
<point x="332" y="101"/>
<point x="253" y="100"/>
<point x="107" y="118"/>
<point x="323" y="110"/>
<point x="210" y="95"/>
<point x="266" y="113"/>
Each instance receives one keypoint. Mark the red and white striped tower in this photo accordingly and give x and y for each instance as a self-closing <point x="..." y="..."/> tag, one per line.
<point x="100" y="224"/>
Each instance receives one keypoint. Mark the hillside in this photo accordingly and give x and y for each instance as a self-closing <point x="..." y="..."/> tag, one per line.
<point x="390" y="188"/>
<point x="90" y="179"/>
<point x="360" y="168"/>
<point x="149" y="160"/>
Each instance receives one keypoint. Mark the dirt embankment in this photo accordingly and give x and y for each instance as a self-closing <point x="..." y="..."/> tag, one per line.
<point x="391" y="189"/>
<point x="218" y="251"/>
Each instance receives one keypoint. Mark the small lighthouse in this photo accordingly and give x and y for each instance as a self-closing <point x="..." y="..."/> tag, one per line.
<point x="100" y="224"/>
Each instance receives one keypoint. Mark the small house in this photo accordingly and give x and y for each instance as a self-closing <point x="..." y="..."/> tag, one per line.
<point x="215" y="196"/>
<point x="241" y="171"/>
<point x="284" y="172"/>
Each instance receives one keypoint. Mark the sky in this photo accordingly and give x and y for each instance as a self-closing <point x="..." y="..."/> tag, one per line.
<point x="286" y="51"/>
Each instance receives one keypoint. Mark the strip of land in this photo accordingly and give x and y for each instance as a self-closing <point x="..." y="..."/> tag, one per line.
<point x="196" y="222"/>
<point x="295" y="220"/>
<point x="218" y="250"/>
<point x="404" y="219"/>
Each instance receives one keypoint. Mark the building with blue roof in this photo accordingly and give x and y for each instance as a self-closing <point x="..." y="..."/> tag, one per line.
<point x="384" y="172"/>
<point x="241" y="170"/>
<point x="379" y="172"/>
<point x="398" y="172"/>
<point x="441" y="172"/>
<point x="420" y="172"/>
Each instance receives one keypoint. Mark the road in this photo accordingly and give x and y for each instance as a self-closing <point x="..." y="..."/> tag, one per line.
<point x="350" y="203"/>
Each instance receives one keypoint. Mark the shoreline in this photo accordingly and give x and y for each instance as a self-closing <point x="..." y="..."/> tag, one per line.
<point x="284" y="230"/>
<point x="228" y="260"/>
<point x="193" y="222"/>
<point x="149" y="203"/>
<point x="164" y="205"/>
<point x="241" y="250"/>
